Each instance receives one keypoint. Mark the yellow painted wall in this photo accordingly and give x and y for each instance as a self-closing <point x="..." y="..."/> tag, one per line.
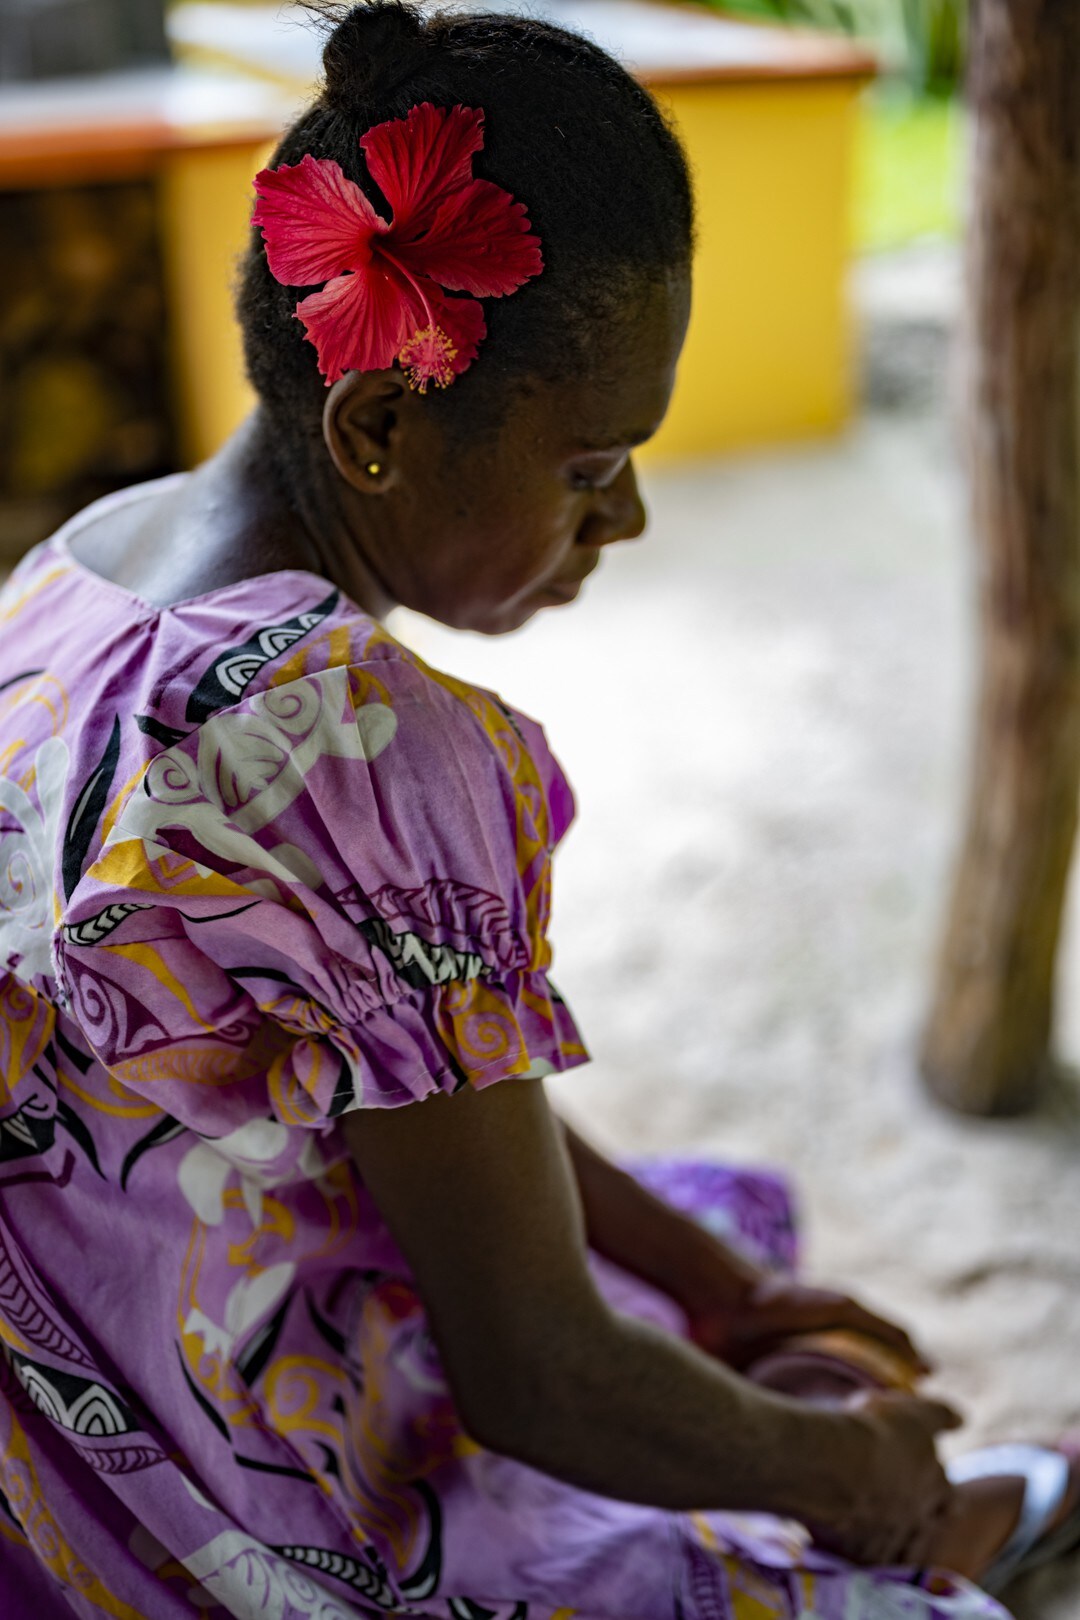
<point x="206" y="201"/>
<point x="768" y="354"/>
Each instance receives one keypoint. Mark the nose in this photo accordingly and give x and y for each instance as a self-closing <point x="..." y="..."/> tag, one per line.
<point x="618" y="512"/>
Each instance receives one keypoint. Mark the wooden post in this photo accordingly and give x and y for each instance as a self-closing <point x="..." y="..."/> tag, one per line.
<point x="987" y="1043"/>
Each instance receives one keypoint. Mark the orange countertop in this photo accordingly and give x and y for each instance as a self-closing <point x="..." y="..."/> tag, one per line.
<point x="115" y="126"/>
<point x="244" y="69"/>
<point x="660" y="41"/>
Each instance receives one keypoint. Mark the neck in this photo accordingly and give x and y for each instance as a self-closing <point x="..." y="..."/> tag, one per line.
<point x="296" y="514"/>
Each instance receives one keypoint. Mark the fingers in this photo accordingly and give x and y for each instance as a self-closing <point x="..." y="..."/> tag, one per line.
<point x="933" y="1416"/>
<point x="904" y="1493"/>
<point x="839" y="1310"/>
<point x="910" y="1546"/>
<point x="918" y="1545"/>
<point x="783" y="1308"/>
<point x="865" y="1321"/>
<point x="936" y="1417"/>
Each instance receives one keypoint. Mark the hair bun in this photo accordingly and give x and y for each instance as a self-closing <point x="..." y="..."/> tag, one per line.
<point x="374" y="45"/>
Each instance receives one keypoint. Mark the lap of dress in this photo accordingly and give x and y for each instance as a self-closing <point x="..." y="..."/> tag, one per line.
<point x="503" y="1542"/>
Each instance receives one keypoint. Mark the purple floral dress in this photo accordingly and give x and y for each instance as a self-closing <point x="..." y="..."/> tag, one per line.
<point x="259" y="865"/>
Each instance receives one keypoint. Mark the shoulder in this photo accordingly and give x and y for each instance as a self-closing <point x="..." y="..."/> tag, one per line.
<point x="355" y="848"/>
<point x="323" y="752"/>
<point x="464" y="727"/>
<point x="339" y="741"/>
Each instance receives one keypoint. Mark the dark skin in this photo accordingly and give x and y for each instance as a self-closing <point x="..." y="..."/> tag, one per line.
<point x="481" y="536"/>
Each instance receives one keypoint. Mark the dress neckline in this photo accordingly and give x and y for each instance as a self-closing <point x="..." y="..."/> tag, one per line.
<point x="60" y="542"/>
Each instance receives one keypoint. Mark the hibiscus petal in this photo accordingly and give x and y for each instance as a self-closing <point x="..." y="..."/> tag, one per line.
<point x="462" y="319"/>
<point x="315" y="221"/>
<point x="418" y="160"/>
<point x="359" y="322"/>
<point x="479" y="242"/>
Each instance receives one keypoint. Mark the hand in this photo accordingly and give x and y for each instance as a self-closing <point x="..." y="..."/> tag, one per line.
<point x="899" y="1493"/>
<point x="772" y="1308"/>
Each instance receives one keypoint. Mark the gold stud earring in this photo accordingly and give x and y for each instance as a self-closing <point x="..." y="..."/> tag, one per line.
<point x="373" y="469"/>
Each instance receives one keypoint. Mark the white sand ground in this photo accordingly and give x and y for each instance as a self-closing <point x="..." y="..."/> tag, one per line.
<point x="763" y="707"/>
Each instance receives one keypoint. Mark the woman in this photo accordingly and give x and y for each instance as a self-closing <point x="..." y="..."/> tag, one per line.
<point x="278" y="1340"/>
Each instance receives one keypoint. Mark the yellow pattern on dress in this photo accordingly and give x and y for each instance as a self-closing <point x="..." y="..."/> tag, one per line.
<point x="387" y="1463"/>
<point x="128" y="1104"/>
<point x="339" y="1183"/>
<point x="16" y="1340"/>
<point x="207" y="1365"/>
<point x="130" y="865"/>
<point x="150" y="959"/>
<point x="340" y="647"/>
<point x="478" y="1026"/>
<point x="27" y="1020"/>
<point x="23" y="1490"/>
<point x="14" y="608"/>
<point x="211" y="1065"/>
<point x="108" y="820"/>
<point x="753" y="1597"/>
<point x="373" y="1503"/>
<point x="309" y="1069"/>
<point x="293" y="1395"/>
<point x="532" y="821"/>
<point x="305" y="1026"/>
<point x="11" y="1532"/>
<point x="42" y="688"/>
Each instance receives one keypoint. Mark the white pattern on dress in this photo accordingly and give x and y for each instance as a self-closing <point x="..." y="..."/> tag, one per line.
<point x="869" y="1596"/>
<point x="28" y="858"/>
<point x="251" y="764"/>
<point x="253" y="1583"/>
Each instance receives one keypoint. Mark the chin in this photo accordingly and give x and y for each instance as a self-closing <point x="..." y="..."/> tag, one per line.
<point x="500" y="621"/>
<point x="504" y="625"/>
<point x="500" y="618"/>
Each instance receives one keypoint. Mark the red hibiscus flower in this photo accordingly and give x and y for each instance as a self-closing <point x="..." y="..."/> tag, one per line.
<point x="387" y="283"/>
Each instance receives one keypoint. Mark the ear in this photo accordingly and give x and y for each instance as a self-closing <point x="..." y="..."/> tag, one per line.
<point x="362" y="428"/>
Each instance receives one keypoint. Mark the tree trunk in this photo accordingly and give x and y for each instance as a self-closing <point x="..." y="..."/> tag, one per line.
<point x="987" y="1043"/>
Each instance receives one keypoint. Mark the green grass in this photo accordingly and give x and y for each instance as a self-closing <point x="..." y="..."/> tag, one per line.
<point x="909" y="170"/>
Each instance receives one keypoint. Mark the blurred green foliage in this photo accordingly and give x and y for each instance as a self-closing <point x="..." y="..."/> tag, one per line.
<point x="910" y="148"/>
<point x="921" y="40"/>
<point x="909" y="162"/>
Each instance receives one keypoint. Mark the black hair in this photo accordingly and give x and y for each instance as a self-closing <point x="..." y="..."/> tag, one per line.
<point x="567" y="131"/>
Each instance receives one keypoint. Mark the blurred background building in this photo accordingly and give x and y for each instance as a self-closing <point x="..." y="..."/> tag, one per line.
<point x="44" y="39"/>
<point x="130" y="131"/>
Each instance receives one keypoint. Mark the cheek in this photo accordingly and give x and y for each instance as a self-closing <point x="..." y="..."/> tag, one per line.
<point x="496" y="549"/>
<point x="539" y="558"/>
<point x="547" y="531"/>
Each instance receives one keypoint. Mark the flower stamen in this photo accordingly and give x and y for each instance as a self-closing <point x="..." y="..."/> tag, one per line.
<point x="428" y="357"/>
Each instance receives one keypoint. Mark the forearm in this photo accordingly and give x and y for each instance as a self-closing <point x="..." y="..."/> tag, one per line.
<point x="615" y="1406"/>
<point x="479" y="1193"/>
<point x="645" y="1236"/>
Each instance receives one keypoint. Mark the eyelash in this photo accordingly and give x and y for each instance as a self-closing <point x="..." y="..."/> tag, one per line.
<point x="583" y="483"/>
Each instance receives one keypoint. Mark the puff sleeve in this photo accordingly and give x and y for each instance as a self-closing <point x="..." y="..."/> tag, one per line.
<point x="334" y="894"/>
